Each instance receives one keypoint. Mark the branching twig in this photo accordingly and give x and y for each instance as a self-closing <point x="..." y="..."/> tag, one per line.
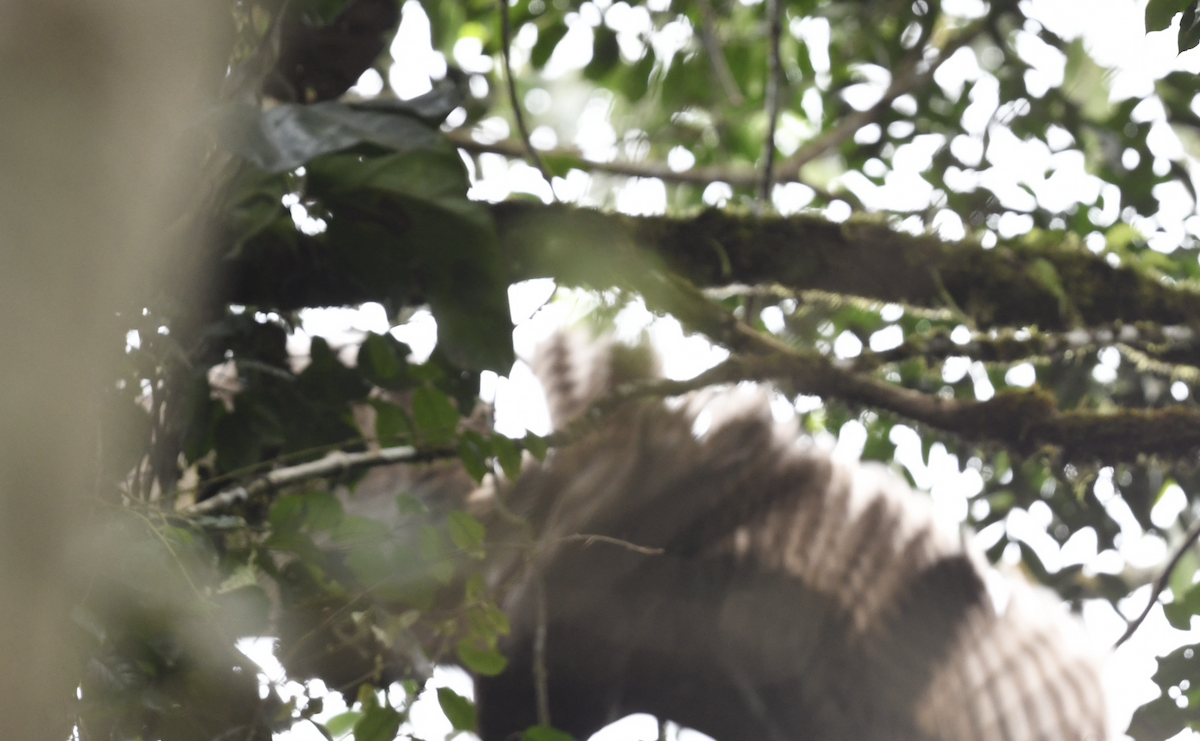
<point x="334" y="463"/>
<point x="739" y="177"/>
<point x="712" y="47"/>
<point x="518" y="115"/>
<point x="912" y="76"/>
<point x="1161" y="583"/>
<point x="773" y="97"/>
<point x="1024" y="420"/>
<point x="589" y="538"/>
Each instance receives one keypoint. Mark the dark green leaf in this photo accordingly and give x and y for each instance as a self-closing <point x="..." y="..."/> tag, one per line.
<point x="287" y="514"/>
<point x="473" y="451"/>
<point x="435" y="416"/>
<point x="548" y="38"/>
<point x="606" y="52"/>
<point x="485" y="661"/>
<point x="378" y="358"/>
<point x="1160" y="13"/>
<point x="458" y="709"/>
<point x="422" y="224"/>
<point x="1189" y="28"/>
<point x="1180" y="612"/>
<point x="392" y="425"/>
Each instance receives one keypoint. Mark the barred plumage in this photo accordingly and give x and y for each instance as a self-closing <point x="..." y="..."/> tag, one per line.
<point x="795" y="598"/>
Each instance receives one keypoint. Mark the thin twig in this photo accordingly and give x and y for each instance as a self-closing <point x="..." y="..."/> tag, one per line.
<point x="1161" y="583"/>
<point x="540" y="674"/>
<point x="334" y="463"/>
<point x="773" y="97"/>
<point x="912" y="76"/>
<point x="712" y="47"/>
<point x="738" y="177"/>
<point x="589" y="539"/>
<point x="522" y="129"/>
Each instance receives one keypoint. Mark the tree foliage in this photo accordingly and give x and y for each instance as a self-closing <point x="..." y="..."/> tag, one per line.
<point x="1047" y="337"/>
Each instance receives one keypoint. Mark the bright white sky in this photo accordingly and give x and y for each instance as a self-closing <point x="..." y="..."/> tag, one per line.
<point x="1111" y="32"/>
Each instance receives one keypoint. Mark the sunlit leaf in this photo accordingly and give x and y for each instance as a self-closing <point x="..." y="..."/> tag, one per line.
<point x="378" y="724"/>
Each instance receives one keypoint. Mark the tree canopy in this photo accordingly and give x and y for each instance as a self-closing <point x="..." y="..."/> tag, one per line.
<point x="921" y="220"/>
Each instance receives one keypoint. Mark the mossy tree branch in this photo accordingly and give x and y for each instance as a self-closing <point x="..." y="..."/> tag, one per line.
<point x="1044" y="282"/>
<point x="1038" y="282"/>
<point x="666" y="259"/>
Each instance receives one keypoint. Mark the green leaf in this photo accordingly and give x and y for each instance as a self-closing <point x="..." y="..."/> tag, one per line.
<point x="378" y="724"/>
<point x="392" y="424"/>
<point x="466" y="532"/>
<point x="545" y="733"/>
<point x="486" y="623"/>
<point x="484" y="661"/>
<point x="406" y="226"/>
<point x="548" y="38"/>
<point x="1180" y="612"/>
<point x="410" y="505"/>
<point x="360" y="530"/>
<point x="369" y="564"/>
<point x="1189" y="28"/>
<point x="1160" y="13"/>
<point x="458" y="709"/>
<point x="475" y="589"/>
<point x="287" y="514"/>
<point x="378" y="358"/>
<point x="474" y="450"/>
<point x="435" y="416"/>
<point x="536" y="445"/>
<point x="508" y="455"/>
<point x="606" y="52"/>
<point x="323" y="511"/>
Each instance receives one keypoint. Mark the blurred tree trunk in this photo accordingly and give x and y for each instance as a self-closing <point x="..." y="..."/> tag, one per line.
<point x="95" y="98"/>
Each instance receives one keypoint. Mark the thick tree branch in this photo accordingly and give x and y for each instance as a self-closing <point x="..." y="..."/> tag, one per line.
<point x="1005" y="286"/>
<point x="1025" y="420"/>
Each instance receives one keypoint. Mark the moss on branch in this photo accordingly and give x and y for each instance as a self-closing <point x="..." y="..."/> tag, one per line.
<point x="1043" y="283"/>
<point x="1036" y="282"/>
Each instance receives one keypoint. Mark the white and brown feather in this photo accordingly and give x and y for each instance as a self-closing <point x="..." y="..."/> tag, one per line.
<point x="805" y="598"/>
